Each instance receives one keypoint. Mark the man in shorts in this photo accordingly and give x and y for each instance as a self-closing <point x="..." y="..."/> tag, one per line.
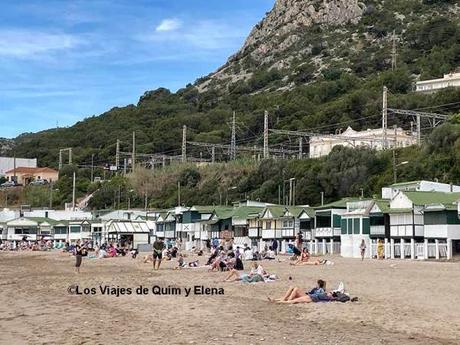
<point x="158" y="247"/>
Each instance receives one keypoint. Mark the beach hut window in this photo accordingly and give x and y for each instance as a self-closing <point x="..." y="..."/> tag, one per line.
<point x="60" y="231"/>
<point x="367" y="226"/>
<point x="356" y="226"/>
<point x="336" y="220"/>
<point x="75" y="229"/>
<point x="25" y="231"/>
<point x="288" y="224"/>
<point x="344" y="226"/>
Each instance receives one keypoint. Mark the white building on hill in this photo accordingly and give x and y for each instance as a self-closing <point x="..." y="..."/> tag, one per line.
<point x="433" y="85"/>
<point x="373" y="138"/>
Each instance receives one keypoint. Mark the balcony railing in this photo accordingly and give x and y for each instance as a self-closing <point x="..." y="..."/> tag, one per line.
<point x="254" y="232"/>
<point x="288" y="233"/>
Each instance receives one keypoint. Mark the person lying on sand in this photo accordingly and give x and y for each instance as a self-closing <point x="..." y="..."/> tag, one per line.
<point x="256" y="274"/>
<point x="296" y="295"/>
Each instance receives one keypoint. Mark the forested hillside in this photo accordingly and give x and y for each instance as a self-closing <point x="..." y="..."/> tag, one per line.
<point x="336" y="82"/>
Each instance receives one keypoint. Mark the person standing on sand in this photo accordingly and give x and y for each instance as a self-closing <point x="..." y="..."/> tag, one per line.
<point x="275" y="246"/>
<point x="362" y="248"/>
<point x="380" y="250"/>
<point x="158" y="247"/>
<point x="299" y="241"/>
<point x="78" y="256"/>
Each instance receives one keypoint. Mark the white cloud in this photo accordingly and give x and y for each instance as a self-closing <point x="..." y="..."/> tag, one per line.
<point x="168" y="25"/>
<point x="204" y="35"/>
<point x="28" y="43"/>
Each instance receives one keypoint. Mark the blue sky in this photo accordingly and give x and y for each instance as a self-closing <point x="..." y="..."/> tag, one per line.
<point x="62" y="61"/>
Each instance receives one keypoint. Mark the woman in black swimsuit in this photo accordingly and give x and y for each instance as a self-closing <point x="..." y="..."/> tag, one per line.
<point x="78" y="256"/>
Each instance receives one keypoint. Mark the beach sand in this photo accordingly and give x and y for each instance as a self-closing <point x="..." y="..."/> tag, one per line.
<point x="400" y="302"/>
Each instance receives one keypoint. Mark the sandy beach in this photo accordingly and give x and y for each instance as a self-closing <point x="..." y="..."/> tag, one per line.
<point x="400" y="302"/>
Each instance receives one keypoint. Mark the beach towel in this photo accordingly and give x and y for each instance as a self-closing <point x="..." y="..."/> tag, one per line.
<point x="340" y="288"/>
<point x="271" y="278"/>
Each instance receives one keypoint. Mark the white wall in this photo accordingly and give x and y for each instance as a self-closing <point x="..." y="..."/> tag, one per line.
<point x="350" y="245"/>
<point x="60" y="214"/>
<point x="7" y="163"/>
<point x="451" y="231"/>
<point x="401" y="201"/>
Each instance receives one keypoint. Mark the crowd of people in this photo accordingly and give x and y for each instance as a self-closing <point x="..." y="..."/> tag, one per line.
<point x="223" y="257"/>
<point x="24" y="245"/>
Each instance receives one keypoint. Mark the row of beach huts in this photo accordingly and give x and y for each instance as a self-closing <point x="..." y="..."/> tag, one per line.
<point x="414" y="220"/>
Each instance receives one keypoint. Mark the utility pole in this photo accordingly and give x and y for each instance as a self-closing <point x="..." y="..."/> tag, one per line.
<point x="395" y="177"/>
<point x="419" y="131"/>
<point x="385" y="117"/>
<point x="69" y="149"/>
<point x="51" y="196"/>
<point x="394" y="53"/>
<point x="184" y="144"/>
<point x="396" y="136"/>
<point x="117" y="155"/>
<point x="73" y="192"/>
<point x="294" y="193"/>
<point x="279" y="194"/>
<point x="322" y="198"/>
<point x="291" y="191"/>
<point x="119" y="196"/>
<point x="266" y="154"/>
<point x="178" y="193"/>
<point x="233" y="142"/>
<point x="92" y="168"/>
<point x="213" y="154"/>
<point x="133" y="158"/>
<point x="14" y="168"/>
<point x="300" y="147"/>
<point x="125" y="164"/>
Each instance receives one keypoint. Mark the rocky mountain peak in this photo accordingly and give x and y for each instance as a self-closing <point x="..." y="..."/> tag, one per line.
<point x="281" y="29"/>
<point x="289" y="15"/>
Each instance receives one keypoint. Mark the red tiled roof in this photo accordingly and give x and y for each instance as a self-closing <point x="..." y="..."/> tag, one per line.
<point x="26" y="170"/>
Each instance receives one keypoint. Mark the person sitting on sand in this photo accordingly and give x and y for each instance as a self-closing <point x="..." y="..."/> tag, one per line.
<point x="102" y="254"/>
<point x="112" y="251"/>
<point x="215" y="265"/>
<point x="303" y="259"/>
<point x="295" y="295"/>
<point x="247" y="253"/>
<point x="212" y="257"/>
<point x="296" y="253"/>
<point x="228" y="263"/>
<point x="256" y="274"/>
<point x="269" y="254"/>
<point x="180" y="262"/>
